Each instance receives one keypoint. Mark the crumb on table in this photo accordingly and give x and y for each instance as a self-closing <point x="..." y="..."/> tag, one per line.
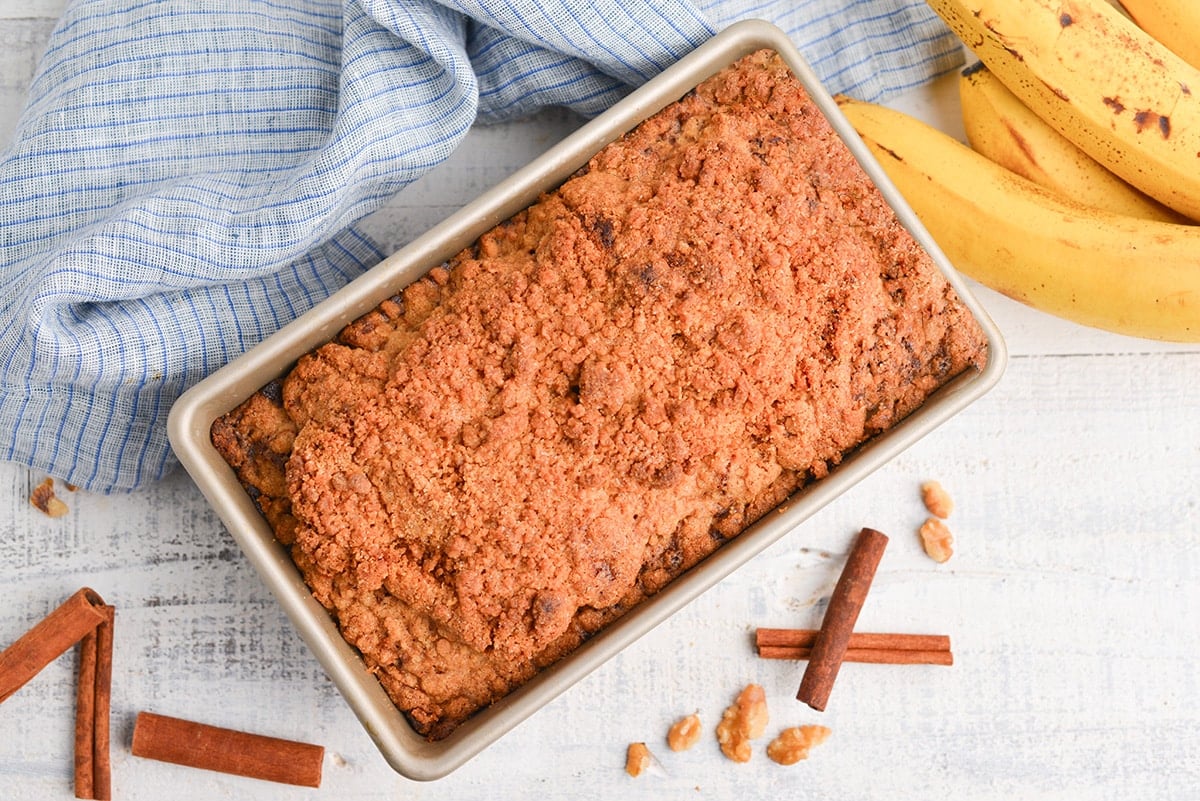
<point x="937" y="540"/>
<point x="743" y="720"/>
<point x="936" y="499"/>
<point x="793" y="744"/>
<point x="637" y="759"/>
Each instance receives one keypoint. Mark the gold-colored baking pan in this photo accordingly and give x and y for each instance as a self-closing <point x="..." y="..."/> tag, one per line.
<point x="406" y="751"/>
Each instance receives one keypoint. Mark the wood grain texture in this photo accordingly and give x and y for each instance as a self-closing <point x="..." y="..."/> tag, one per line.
<point x="1070" y="601"/>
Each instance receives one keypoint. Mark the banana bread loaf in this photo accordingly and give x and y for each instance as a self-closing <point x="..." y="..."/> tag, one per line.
<point x="524" y="444"/>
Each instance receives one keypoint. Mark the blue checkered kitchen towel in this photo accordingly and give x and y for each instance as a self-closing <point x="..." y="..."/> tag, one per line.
<point x="187" y="174"/>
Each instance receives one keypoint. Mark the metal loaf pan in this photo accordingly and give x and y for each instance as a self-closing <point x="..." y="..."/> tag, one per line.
<point x="191" y="418"/>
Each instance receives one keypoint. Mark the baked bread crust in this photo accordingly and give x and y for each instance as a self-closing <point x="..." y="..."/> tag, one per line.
<point x="530" y="440"/>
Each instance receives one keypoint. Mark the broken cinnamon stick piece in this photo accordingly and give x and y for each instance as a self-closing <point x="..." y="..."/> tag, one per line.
<point x="829" y="649"/>
<point x="804" y="638"/>
<point x="49" y="639"/>
<point x="93" y="700"/>
<point x="198" y="745"/>
<point x="85" y="717"/>
<point x="875" y="656"/>
<point x="101" y="755"/>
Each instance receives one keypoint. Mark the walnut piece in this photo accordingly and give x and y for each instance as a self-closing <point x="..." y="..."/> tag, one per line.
<point x="937" y="540"/>
<point x="684" y="734"/>
<point x="44" y="499"/>
<point x="637" y="759"/>
<point x="793" y="744"/>
<point x="744" y="720"/>
<point x="936" y="499"/>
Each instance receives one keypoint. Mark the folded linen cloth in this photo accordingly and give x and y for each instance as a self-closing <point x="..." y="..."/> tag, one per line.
<point x="187" y="174"/>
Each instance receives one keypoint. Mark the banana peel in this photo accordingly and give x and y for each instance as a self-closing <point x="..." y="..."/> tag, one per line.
<point x="1001" y="127"/>
<point x="1098" y="79"/>
<point x="1122" y="274"/>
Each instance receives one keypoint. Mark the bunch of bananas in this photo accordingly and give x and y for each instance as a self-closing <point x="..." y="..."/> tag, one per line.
<point x="1080" y="187"/>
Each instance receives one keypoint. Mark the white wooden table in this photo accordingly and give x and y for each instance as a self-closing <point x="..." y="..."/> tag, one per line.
<point x="1072" y="599"/>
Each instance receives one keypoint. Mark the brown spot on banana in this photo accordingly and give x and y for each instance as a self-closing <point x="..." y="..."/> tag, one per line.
<point x="1012" y="51"/>
<point x="890" y="152"/>
<point x="1059" y="93"/>
<point x="1113" y="103"/>
<point x="1022" y="142"/>
<point x="1150" y="119"/>
<point x="974" y="69"/>
<point x="1065" y="20"/>
<point x="1000" y="38"/>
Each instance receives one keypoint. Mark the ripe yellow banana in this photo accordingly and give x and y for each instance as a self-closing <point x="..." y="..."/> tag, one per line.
<point x="1100" y="81"/>
<point x="1175" y="23"/>
<point x="1123" y="274"/>
<point x="1001" y="127"/>
<point x="1117" y="5"/>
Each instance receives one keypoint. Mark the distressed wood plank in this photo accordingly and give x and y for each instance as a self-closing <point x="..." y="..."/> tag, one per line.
<point x="31" y="9"/>
<point x="1066" y="600"/>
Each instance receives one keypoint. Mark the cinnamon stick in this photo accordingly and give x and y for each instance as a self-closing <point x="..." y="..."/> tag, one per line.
<point x="85" y="717"/>
<point x="101" y="762"/>
<point x="804" y="638"/>
<point x="877" y="656"/>
<point x="46" y="641"/>
<point x="198" y="745"/>
<point x="833" y="639"/>
<point x="93" y="695"/>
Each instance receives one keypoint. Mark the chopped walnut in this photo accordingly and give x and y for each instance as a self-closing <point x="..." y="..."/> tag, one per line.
<point x="744" y="720"/>
<point x="44" y="499"/>
<point x="937" y="540"/>
<point x="684" y="734"/>
<point x="793" y="745"/>
<point x="637" y="759"/>
<point x="936" y="499"/>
